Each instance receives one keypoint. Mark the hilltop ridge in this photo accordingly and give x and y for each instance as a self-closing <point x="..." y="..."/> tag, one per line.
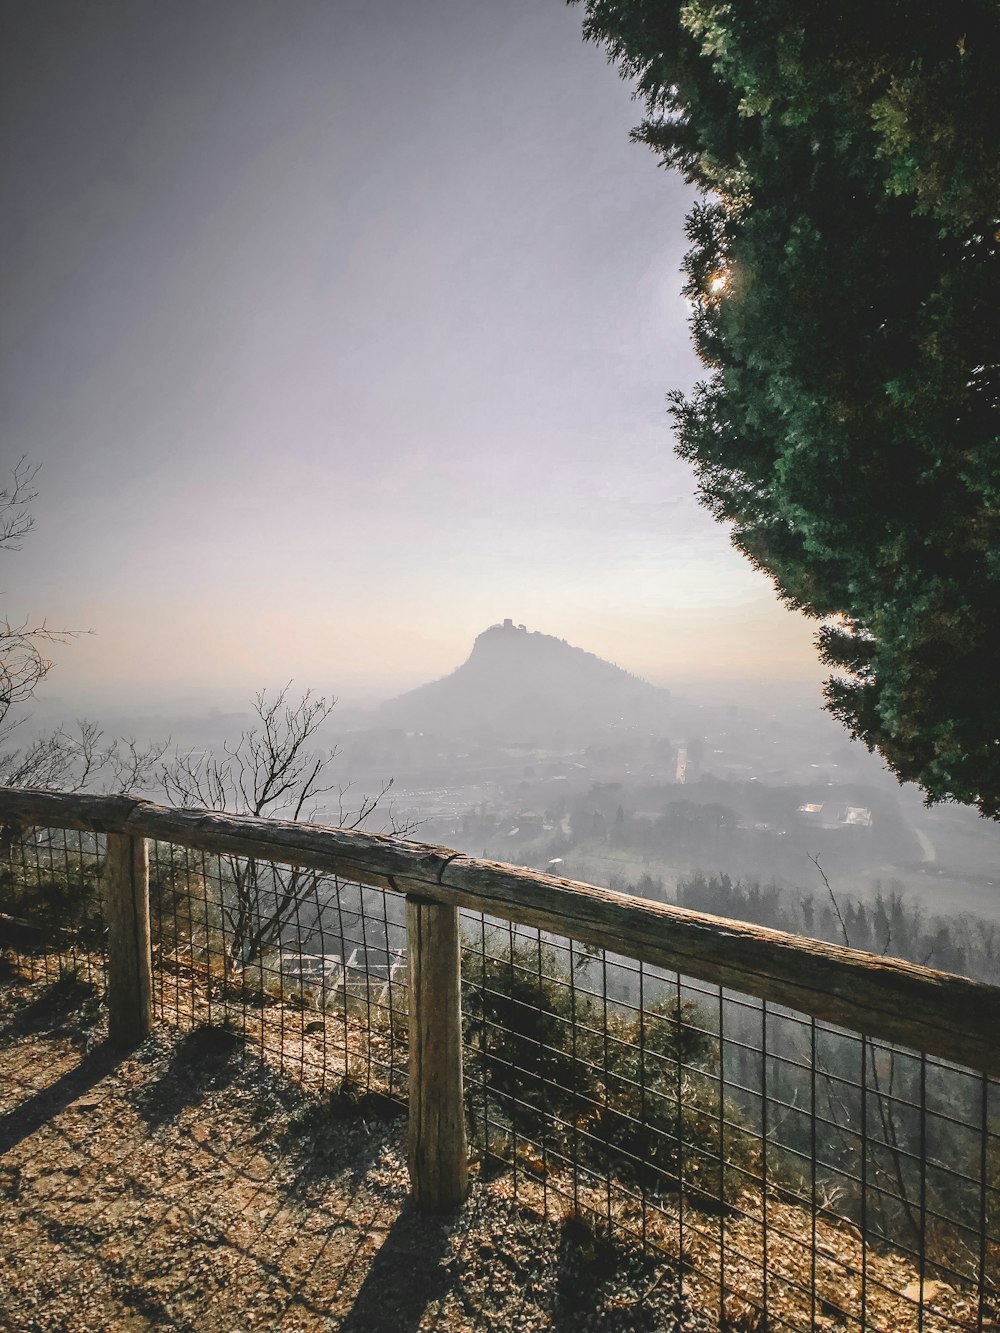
<point x="520" y="681"/>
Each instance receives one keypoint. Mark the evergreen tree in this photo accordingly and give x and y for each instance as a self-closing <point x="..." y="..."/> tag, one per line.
<point x="844" y="276"/>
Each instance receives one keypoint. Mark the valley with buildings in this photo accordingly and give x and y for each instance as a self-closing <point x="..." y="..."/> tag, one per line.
<point x="744" y="801"/>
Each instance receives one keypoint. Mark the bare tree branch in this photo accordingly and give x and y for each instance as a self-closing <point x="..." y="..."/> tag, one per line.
<point x="24" y="662"/>
<point x="836" y="905"/>
<point x="271" y="770"/>
<point x="16" y="520"/>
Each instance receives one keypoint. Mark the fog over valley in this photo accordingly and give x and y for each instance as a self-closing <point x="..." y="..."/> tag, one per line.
<point x="738" y="798"/>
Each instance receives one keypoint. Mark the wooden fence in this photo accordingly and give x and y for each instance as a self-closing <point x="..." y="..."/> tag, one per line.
<point x="931" y="1012"/>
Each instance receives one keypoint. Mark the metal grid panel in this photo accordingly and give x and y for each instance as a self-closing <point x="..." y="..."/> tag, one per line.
<point x="310" y="968"/>
<point x="50" y="891"/>
<point x="791" y="1173"/>
<point x="788" y="1173"/>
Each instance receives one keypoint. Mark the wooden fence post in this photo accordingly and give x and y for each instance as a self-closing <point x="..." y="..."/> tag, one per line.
<point x="126" y="915"/>
<point x="438" y="1150"/>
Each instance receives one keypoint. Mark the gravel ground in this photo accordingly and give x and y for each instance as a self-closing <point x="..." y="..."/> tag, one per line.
<point x="189" y="1186"/>
<point x="193" y="1186"/>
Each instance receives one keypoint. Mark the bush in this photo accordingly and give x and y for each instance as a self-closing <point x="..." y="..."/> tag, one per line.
<point x="54" y="887"/>
<point x="595" y="1082"/>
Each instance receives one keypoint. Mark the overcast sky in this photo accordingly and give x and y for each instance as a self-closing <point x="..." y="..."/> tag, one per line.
<point x="341" y="330"/>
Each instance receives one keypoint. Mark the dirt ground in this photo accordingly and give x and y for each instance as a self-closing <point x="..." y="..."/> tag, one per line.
<point x="189" y="1186"/>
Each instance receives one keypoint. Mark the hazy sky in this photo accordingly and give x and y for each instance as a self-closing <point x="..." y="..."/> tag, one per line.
<point x="340" y="330"/>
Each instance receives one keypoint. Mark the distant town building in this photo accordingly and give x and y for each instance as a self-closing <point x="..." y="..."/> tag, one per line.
<point x="835" y="814"/>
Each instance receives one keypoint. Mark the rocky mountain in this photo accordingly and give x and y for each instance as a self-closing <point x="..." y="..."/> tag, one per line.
<point x="526" y="685"/>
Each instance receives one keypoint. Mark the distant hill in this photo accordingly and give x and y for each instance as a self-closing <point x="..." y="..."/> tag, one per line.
<point x="526" y="685"/>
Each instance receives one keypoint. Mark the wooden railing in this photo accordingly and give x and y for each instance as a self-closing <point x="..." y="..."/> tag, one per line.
<point x="931" y="1012"/>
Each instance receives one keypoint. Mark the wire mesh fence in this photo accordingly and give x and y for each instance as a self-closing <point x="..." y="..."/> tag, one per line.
<point x="309" y="968"/>
<point x="790" y="1174"/>
<point x="51" y="904"/>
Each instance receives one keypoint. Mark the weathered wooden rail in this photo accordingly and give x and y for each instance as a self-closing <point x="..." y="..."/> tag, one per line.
<point x="931" y="1012"/>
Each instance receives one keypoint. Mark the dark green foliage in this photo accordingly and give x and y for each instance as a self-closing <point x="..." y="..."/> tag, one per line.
<point x="844" y="274"/>
<point x="887" y="923"/>
<point x="745" y="900"/>
<point x="547" y="1061"/>
<point x="54" y="888"/>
